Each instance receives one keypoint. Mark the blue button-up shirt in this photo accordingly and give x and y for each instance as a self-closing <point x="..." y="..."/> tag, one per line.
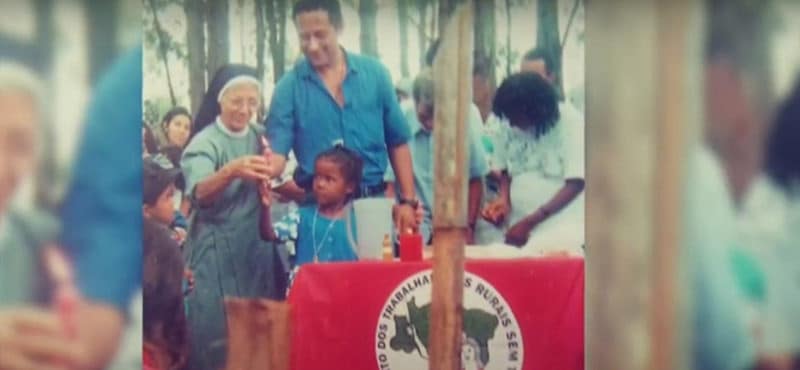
<point x="304" y="117"/>
<point x="102" y="217"/>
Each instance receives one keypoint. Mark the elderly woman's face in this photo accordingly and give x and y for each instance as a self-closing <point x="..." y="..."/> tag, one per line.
<point x="18" y="125"/>
<point x="239" y="105"/>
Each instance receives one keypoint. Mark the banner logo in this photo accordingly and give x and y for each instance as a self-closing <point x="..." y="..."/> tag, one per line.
<point x="491" y="339"/>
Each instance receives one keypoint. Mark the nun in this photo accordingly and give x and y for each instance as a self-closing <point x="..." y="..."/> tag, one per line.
<point x="224" y="169"/>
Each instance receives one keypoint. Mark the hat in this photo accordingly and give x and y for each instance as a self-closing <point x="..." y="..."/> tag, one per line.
<point x="158" y="173"/>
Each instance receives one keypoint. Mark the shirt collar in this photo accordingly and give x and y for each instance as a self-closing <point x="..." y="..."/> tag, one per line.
<point x="353" y="67"/>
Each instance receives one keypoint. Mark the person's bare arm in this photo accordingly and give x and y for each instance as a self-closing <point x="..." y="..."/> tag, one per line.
<point x="403" y="170"/>
<point x="291" y="191"/>
<point x="474" y="201"/>
<point x="571" y="189"/>
<point x="254" y="168"/>
<point x="277" y="165"/>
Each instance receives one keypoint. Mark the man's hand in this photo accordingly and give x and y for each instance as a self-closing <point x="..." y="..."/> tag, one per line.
<point x="408" y="218"/>
<point x="32" y="338"/>
<point x="519" y="233"/>
<point x="496" y="211"/>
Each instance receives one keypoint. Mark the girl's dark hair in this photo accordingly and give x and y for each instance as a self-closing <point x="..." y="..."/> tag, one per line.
<point x="783" y="143"/>
<point x="150" y="143"/>
<point x="349" y="163"/>
<point x="162" y="285"/>
<point x="172" y="113"/>
<point x="530" y="98"/>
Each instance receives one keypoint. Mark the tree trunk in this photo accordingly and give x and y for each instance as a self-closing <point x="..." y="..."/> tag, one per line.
<point x="485" y="35"/>
<point x="196" y="45"/>
<point x="453" y="71"/>
<point x="48" y="177"/>
<point x="276" y="20"/>
<point x="163" y="51"/>
<point x="422" y="7"/>
<point x="402" y="21"/>
<point x="367" y="12"/>
<point x="102" y="17"/>
<point x="261" y="37"/>
<point x="218" y="43"/>
<point x="446" y="9"/>
<point x="508" y="38"/>
<point x="547" y="38"/>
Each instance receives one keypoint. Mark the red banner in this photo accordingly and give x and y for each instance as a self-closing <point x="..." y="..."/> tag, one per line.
<point x="518" y="315"/>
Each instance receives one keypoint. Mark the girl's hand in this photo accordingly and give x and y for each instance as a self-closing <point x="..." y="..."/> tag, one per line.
<point x="265" y="193"/>
<point x="251" y="167"/>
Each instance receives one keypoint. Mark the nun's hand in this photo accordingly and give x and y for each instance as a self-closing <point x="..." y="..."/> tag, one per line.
<point x="251" y="168"/>
<point x="33" y="338"/>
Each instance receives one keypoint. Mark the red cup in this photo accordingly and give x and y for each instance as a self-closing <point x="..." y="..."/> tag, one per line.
<point x="410" y="247"/>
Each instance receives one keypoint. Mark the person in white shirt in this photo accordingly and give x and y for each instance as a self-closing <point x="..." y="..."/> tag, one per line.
<point x="541" y="155"/>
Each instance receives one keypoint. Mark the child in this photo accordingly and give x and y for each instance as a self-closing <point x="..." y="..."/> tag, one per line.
<point x="320" y="231"/>
<point x="165" y="344"/>
<point x="161" y="181"/>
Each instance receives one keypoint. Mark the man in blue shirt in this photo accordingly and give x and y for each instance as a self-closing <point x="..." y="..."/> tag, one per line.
<point x="420" y="120"/>
<point x="101" y="214"/>
<point x="334" y="97"/>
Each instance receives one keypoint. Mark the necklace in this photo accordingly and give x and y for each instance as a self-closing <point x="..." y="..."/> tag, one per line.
<point x="318" y="247"/>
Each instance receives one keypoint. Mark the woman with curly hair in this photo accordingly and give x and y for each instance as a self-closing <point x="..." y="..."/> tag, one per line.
<point x="540" y="156"/>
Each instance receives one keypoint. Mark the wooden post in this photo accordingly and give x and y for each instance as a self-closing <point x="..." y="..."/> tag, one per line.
<point x="638" y="110"/>
<point x="452" y="71"/>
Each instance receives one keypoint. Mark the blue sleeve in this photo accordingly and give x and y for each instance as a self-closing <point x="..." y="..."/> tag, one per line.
<point x="395" y="128"/>
<point x="101" y="214"/>
<point x="281" y="119"/>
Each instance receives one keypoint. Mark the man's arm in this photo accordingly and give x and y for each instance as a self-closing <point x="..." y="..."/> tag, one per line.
<point x="401" y="163"/>
<point x="280" y="123"/>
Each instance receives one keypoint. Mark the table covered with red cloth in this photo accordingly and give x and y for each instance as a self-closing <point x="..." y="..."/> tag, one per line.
<point x="518" y="314"/>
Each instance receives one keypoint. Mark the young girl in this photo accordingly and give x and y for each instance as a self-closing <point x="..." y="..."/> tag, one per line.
<point x="320" y="231"/>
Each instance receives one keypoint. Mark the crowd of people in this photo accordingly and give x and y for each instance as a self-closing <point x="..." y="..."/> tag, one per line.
<point x="250" y="201"/>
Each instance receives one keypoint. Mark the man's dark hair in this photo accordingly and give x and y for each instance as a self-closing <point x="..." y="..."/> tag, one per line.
<point x="528" y="97"/>
<point x="331" y="7"/>
<point x="423" y="88"/>
<point x="348" y="161"/>
<point x="540" y="53"/>
<point x="783" y="144"/>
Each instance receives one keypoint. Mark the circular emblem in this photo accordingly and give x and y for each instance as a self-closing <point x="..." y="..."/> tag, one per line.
<point x="491" y="339"/>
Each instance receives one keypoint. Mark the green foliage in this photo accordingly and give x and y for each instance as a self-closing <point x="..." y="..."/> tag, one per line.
<point x="154" y="108"/>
